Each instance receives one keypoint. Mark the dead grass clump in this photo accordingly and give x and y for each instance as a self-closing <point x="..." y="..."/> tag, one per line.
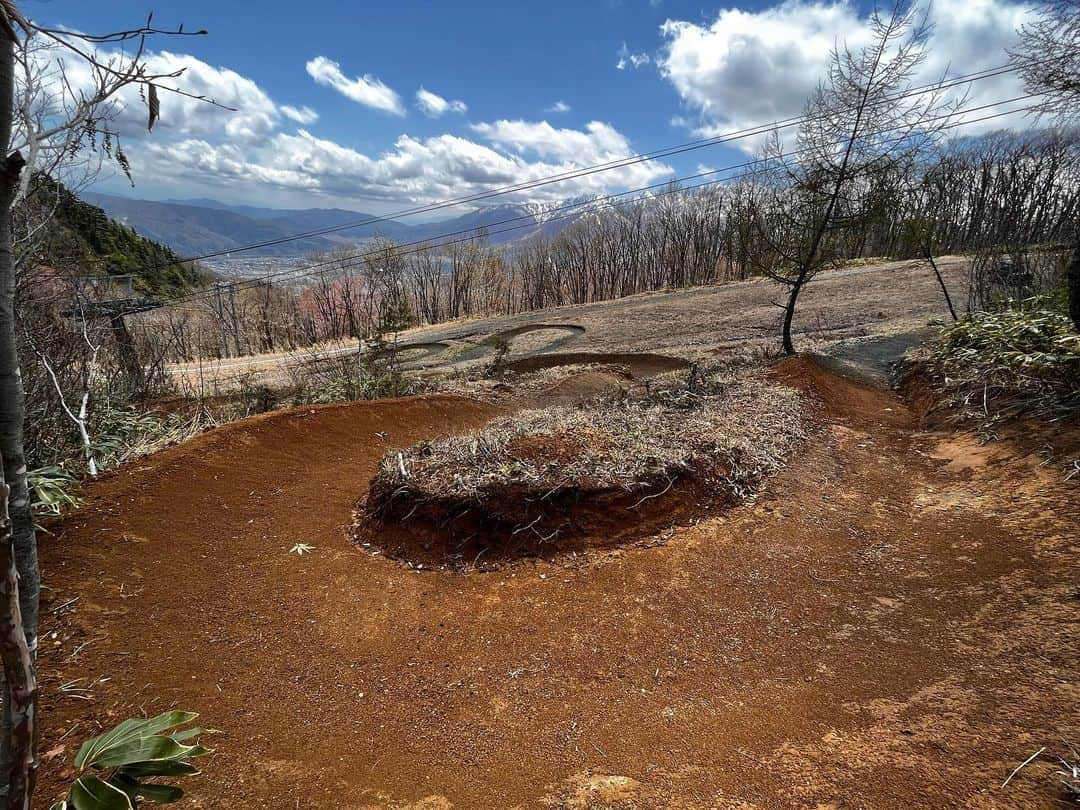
<point x="998" y="365"/>
<point x="544" y="475"/>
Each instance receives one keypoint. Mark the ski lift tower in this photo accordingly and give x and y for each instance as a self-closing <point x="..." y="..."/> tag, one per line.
<point x="121" y="301"/>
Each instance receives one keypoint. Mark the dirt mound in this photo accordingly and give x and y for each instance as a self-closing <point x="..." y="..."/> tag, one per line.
<point x="518" y="331"/>
<point x="556" y="481"/>
<point x="640" y="365"/>
<point x="407" y="353"/>
<point x="588" y="384"/>
<point x="446" y="535"/>
<point x="544" y="337"/>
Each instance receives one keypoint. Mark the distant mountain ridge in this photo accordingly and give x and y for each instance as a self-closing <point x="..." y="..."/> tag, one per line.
<point x="201" y="226"/>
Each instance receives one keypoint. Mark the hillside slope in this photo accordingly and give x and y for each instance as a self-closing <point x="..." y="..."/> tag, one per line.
<point x="83" y="235"/>
<point x="193" y="230"/>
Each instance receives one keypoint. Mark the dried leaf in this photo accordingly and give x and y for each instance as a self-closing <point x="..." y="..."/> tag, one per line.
<point x="154" y="108"/>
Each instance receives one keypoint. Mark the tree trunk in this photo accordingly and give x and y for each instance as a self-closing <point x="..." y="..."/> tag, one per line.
<point x="19" y="580"/>
<point x="129" y="355"/>
<point x="941" y="282"/>
<point x="20" y="696"/>
<point x="789" y="310"/>
<point x="1072" y="276"/>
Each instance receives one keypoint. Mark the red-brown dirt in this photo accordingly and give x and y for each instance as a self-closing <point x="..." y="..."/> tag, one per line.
<point x="893" y="623"/>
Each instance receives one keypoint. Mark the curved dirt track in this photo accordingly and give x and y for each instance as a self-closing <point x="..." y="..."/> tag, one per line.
<point x="888" y="626"/>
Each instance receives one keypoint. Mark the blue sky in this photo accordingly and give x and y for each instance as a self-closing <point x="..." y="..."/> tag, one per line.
<point x="329" y="111"/>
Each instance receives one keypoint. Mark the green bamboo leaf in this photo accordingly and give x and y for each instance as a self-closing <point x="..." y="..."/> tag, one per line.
<point x="164" y="767"/>
<point x="188" y="733"/>
<point x="129" y="730"/>
<point x="90" y="793"/>
<point x="125" y="783"/>
<point x="151" y="792"/>
<point x="160" y="794"/>
<point x="142" y="750"/>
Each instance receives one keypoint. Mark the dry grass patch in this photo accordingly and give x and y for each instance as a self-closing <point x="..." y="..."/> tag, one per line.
<point x="566" y="477"/>
<point x="1018" y="366"/>
<point x="997" y="365"/>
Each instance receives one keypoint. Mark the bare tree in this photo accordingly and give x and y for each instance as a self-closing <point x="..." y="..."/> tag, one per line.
<point x="43" y="130"/>
<point x="861" y="120"/>
<point x="1049" y="60"/>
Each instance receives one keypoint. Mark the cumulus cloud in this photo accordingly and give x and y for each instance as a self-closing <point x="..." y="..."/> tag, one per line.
<point x="253" y="116"/>
<point x="266" y="149"/>
<point x="749" y="68"/>
<point x="414" y="170"/>
<point x="558" y="107"/>
<point x="366" y="89"/>
<point x="304" y="116"/>
<point x="595" y="144"/>
<point x="631" y="60"/>
<point x="433" y="105"/>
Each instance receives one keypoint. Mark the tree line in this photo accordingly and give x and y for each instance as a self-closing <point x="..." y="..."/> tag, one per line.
<point x="995" y="195"/>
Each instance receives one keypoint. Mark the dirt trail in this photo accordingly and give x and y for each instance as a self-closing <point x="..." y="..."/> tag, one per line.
<point x="892" y="624"/>
<point x="850" y="304"/>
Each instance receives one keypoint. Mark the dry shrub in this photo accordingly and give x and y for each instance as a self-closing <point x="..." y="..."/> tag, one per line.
<point x="529" y="474"/>
<point x="997" y="365"/>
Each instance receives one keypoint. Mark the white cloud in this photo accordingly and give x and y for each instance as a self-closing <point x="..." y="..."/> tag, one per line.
<point x="595" y="144"/>
<point x="304" y="116"/>
<point x="630" y="60"/>
<point x="433" y="105"/>
<point x="366" y="89"/>
<point x="414" y="170"/>
<point x="255" y="153"/>
<point x="558" y="107"/>
<point x="254" y="114"/>
<point x="750" y="68"/>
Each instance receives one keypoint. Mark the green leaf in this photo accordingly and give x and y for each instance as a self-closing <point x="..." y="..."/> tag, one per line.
<point x="90" y="793"/>
<point x="125" y="783"/>
<point x="165" y="767"/>
<point x="188" y="733"/>
<point x="160" y="794"/>
<point x="130" y="730"/>
<point x="142" y="750"/>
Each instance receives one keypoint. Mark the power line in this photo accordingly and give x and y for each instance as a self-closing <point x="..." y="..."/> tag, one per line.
<point x="583" y="171"/>
<point x="287" y="361"/>
<point x="528" y="221"/>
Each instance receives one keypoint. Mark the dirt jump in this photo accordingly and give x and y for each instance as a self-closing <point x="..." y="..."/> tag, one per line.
<point x="890" y="623"/>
